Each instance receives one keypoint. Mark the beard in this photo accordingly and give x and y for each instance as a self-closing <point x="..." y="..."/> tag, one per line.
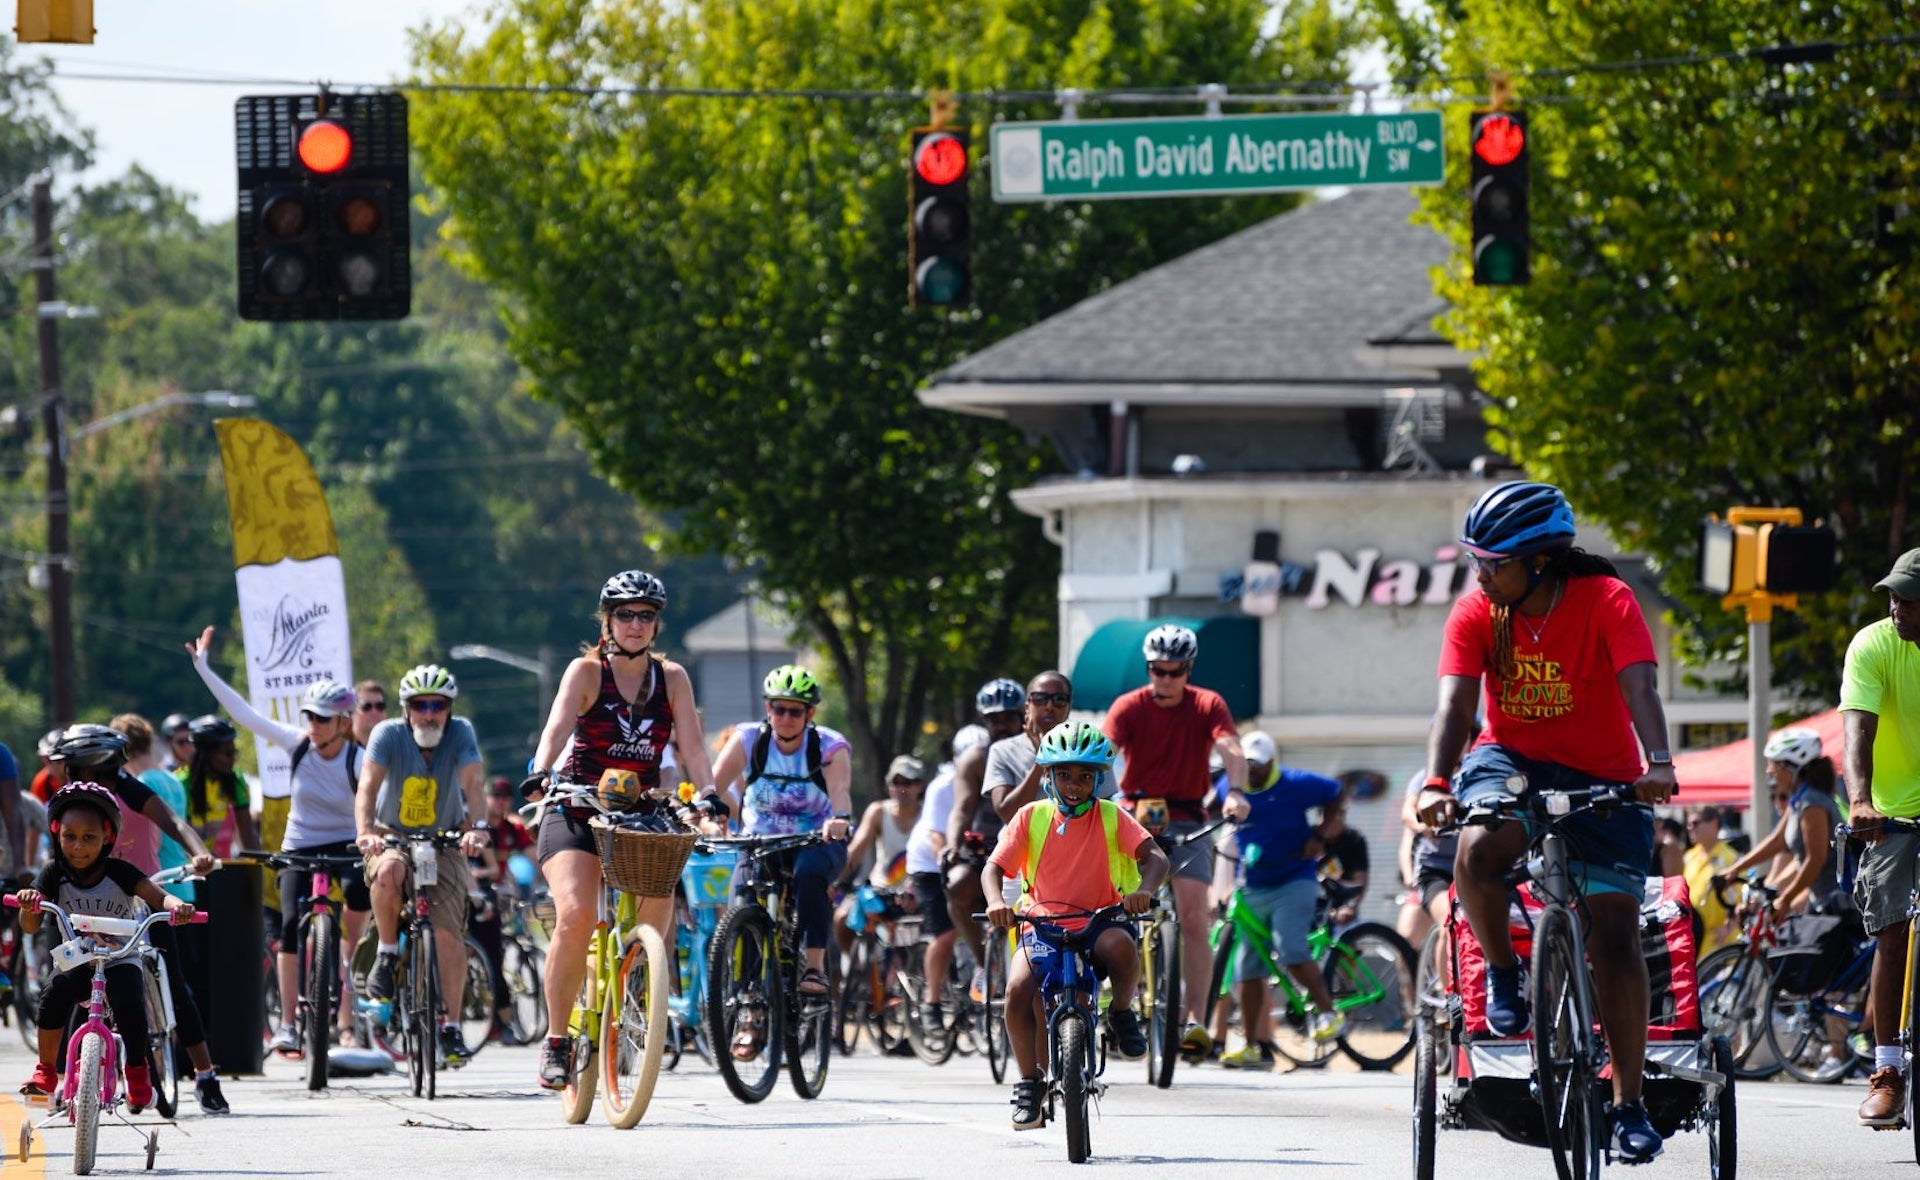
<point x="427" y="735"/>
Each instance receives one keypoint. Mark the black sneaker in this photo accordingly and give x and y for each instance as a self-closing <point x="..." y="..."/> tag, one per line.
<point x="556" y="1063"/>
<point x="1634" y="1139"/>
<point x="1507" y="1012"/>
<point x="380" y="979"/>
<point x="1029" y="1104"/>
<point x="453" y="1049"/>
<point x="212" y="1101"/>
<point x="1129" y="1041"/>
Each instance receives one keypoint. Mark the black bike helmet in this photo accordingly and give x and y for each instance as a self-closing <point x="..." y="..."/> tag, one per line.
<point x="211" y="729"/>
<point x="633" y="586"/>
<point x="89" y="746"/>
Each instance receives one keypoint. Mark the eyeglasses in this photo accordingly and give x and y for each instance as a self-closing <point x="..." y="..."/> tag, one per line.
<point x="1177" y="672"/>
<point x="427" y="706"/>
<point x="903" y="782"/>
<point x="373" y="706"/>
<point x="181" y="739"/>
<point x="781" y="710"/>
<point x="626" y="615"/>
<point x="1490" y="565"/>
<point x="1050" y="698"/>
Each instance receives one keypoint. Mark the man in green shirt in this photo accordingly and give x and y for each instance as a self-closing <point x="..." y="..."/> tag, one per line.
<point x="1880" y="702"/>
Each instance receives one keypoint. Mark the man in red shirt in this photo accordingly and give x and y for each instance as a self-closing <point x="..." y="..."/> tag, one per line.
<point x="1564" y="651"/>
<point x="1166" y="731"/>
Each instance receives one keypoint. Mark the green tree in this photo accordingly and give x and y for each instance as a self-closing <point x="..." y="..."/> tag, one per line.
<point x="1724" y="303"/>
<point x="713" y="291"/>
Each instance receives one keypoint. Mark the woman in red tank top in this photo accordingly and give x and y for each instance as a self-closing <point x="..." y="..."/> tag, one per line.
<point x="619" y="705"/>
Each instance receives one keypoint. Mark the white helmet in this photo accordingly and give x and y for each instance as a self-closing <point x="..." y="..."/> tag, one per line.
<point x="1796" y="747"/>
<point x="969" y="737"/>
<point x="1171" y="642"/>
<point x="328" y="698"/>
<point x="428" y="680"/>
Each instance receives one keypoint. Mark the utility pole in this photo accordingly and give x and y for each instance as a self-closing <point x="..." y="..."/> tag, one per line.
<point x="53" y="409"/>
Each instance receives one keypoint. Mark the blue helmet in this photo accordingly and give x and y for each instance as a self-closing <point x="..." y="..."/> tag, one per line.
<point x="1000" y="696"/>
<point x="1517" y="519"/>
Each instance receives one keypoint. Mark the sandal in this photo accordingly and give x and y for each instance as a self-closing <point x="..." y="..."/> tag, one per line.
<point x="748" y="1037"/>
<point x="813" y="982"/>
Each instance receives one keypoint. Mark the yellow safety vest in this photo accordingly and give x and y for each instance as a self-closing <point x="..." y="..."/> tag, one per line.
<point x="1124" y="869"/>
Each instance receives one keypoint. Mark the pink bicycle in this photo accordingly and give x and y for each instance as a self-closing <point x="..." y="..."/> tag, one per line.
<point x="95" y="1080"/>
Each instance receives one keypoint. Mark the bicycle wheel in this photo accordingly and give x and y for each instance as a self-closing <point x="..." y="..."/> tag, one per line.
<point x="160" y="1063"/>
<point x="576" y="1098"/>
<point x="1733" y="990"/>
<point x="1426" y="1096"/>
<point x="1723" y="1139"/>
<point x="522" y="964"/>
<point x="423" y="979"/>
<point x="1808" y="1034"/>
<point x="1223" y="941"/>
<point x="477" y="1004"/>
<point x="1564" y="1064"/>
<point x="1160" y="963"/>
<point x="1075" y="1067"/>
<point x="856" y="998"/>
<point x="745" y="1002"/>
<point x="633" y="1035"/>
<point x="86" y="1103"/>
<point x="889" y="1019"/>
<point x="1372" y="976"/>
<point x="27" y="982"/>
<point x="993" y="1013"/>
<point x="934" y="1046"/>
<point x="322" y="977"/>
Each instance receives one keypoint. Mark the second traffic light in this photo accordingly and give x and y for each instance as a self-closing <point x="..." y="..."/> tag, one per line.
<point x="940" y="219"/>
<point x="323" y="222"/>
<point x="1501" y="250"/>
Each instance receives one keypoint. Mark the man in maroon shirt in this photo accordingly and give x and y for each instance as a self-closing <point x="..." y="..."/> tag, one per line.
<point x="1166" y="732"/>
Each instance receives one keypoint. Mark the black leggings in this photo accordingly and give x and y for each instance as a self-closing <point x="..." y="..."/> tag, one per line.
<point x="126" y="996"/>
<point x="486" y="932"/>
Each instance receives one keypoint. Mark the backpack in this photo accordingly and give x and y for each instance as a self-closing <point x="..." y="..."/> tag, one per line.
<point x="353" y="762"/>
<point x="1123" y="869"/>
<point x="763" y="745"/>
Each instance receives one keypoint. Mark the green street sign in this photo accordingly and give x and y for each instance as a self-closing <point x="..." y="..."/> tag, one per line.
<point x="1109" y="159"/>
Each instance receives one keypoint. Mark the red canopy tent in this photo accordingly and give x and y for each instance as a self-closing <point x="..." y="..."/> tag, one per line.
<point x="1724" y="774"/>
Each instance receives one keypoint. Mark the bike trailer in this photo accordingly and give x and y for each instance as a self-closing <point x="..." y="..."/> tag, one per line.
<point x="707" y="877"/>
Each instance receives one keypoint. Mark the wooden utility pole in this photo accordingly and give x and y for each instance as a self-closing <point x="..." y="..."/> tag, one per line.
<point x="53" y="410"/>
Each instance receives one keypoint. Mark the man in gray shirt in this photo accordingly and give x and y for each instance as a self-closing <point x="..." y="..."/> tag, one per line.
<point x="1012" y="777"/>
<point x="422" y="775"/>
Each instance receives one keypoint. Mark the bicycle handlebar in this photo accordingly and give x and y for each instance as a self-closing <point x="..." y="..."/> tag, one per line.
<point x="1199" y="833"/>
<point x="293" y="860"/>
<point x="1552" y="807"/>
<point x="73" y="925"/>
<point x="442" y="839"/>
<point x="562" y="793"/>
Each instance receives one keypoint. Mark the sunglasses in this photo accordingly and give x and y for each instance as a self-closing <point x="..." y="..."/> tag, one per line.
<point x="627" y="615"/>
<point x="903" y="782"/>
<point x="1491" y="565"/>
<point x="373" y="706"/>
<point x="428" y="706"/>
<point x="181" y="739"/>
<point x="1050" y="698"/>
<point x="1177" y="672"/>
<point x="780" y="710"/>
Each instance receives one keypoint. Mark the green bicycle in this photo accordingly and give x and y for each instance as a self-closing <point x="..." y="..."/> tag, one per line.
<point x="1370" y="971"/>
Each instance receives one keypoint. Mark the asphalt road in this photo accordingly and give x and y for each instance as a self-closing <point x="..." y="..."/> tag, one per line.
<point x="884" y="1118"/>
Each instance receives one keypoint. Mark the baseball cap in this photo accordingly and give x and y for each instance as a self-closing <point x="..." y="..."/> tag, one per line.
<point x="501" y="787"/>
<point x="1904" y="578"/>
<point x="1258" y="747"/>
<point x="909" y="767"/>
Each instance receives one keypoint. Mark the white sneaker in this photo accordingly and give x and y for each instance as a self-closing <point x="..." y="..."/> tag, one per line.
<point x="1327" y="1026"/>
<point x="978" y="988"/>
<point x="286" y="1041"/>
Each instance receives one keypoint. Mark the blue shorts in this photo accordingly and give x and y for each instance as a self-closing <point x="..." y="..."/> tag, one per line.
<point x="1287" y="909"/>
<point x="1607" y="853"/>
<point x="1052" y="965"/>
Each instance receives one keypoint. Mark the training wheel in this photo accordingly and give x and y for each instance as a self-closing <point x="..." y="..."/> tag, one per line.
<point x="153" y="1148"/>
<point x="26" y="1140"/>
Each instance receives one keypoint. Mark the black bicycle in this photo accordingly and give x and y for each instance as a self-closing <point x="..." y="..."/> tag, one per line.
<point x="753" y="977"/>
<point x="317" y="943"/>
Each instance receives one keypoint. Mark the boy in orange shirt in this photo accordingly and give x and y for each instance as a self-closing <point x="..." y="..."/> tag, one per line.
<point x="1080" y="865"/>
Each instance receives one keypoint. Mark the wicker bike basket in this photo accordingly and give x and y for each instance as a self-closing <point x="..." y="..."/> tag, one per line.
<point x="642" y="862"/>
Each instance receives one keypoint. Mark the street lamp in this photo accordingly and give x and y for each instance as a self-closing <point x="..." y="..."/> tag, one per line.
<point x="541" y="667"/>
<point x="219" y="399"/>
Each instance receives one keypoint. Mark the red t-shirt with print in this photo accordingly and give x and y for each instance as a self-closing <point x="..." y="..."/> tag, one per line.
<point x="1565" y="706"/>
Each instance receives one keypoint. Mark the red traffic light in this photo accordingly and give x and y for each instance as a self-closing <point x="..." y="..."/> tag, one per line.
<point x="325" y="146"/>
<point x="1499" y="140"/>
<point x="941" y="159"/>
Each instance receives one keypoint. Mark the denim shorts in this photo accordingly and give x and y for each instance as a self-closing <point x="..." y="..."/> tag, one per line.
<point x="1052" y="965"/>
<point x="1607" y="853"/>
<point x="1287" y="909"/>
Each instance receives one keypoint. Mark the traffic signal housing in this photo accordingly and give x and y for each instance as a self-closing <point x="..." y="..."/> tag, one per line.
<point x="1501" y="250"/>
<point x="1777" y="557"/>
<point x="323" y="225"/>
<point x="940" y="219"/>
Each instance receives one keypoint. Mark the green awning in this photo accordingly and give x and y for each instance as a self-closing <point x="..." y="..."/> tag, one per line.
<point x="1111" y="662"/>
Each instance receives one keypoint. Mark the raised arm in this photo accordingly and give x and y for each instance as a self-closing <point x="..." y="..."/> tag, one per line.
<point x="237" y="706"/>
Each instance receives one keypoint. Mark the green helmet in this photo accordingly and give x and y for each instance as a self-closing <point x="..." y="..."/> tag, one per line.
<point x="428" y="680"/>
<point x="1077" y="742"/>
<point x="791" y="682"/>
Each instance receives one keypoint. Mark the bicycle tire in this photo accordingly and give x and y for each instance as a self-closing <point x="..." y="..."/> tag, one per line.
<point x="1223" y="940"/>
<point x="1563" y="1055"/>
<point x="576" y="1097"/>
<point x="1426" y="1097"/>
<point x="322" y="976"/>
<point x="634" y="1030"/>
<point x="1164" y="1010"/>
<point x="809" y="1043"/>
<point x="477" y="1002"/>
<point x="526" y="985"/>
<point x="425" y="975"/>
<point x="993" y="1013"/>
<point x="889" y="1021"/>
<point x="1913" y="1040"/>
<point x="161" y="1066"/>
<point x="1797" y="1034"/>
<point x="26" y="993"/>
<point x="1372" y="975"/>
<point x="1733" y="990"/>
<point x="930" y="1047"/>
<point x="1723" y="1131"/>
<point x="856" y="998"/>
<point x="744" y="983"/>
<point x="86" y="1103"/>
<point x="1075" y="1068"/>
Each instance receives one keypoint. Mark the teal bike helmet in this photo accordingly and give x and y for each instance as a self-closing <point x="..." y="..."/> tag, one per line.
<point x="1072" y="743"/>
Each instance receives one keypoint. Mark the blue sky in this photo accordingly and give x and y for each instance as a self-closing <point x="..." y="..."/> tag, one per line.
<point x="184" y="133"/>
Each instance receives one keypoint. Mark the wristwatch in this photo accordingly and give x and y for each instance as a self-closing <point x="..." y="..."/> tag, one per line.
<point x="481" y="825"/>
<point x="1659" y="758"/>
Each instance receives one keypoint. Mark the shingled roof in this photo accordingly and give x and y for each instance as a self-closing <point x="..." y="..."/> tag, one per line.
<point x="1336" y="292"/>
